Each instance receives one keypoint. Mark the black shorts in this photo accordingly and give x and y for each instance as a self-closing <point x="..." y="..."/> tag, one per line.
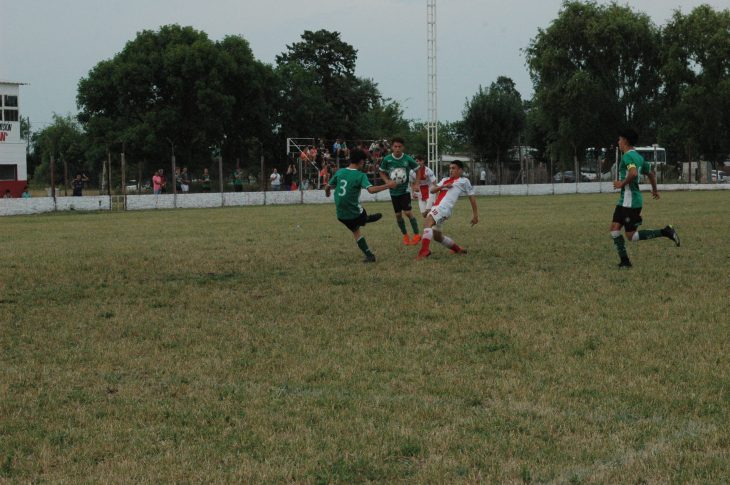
<point x="357" y="223"/>
<point x="627" y="217"/>
<point x="401" y="202"/>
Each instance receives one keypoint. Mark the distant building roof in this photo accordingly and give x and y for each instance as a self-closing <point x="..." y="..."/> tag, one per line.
<point x="3" y="81"/>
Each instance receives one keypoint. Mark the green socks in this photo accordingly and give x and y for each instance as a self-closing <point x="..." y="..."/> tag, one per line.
<point x="414" y="225"/>
<point x="620" y="244"/>
<point x="402" y="225"/>
<point x="650" y="234"/>
<point x="363" y="245"/>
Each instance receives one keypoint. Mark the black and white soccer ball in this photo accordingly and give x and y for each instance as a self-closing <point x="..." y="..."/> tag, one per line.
<point x="399" y="175"/>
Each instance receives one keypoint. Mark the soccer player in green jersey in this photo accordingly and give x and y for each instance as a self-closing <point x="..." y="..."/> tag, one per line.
<point x="628" y="209"/>
<point x="400" y="195"/>
<point x="347" y="184"/>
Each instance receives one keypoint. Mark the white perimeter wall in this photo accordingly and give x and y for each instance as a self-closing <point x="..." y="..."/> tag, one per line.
<point x="11" y="207"/>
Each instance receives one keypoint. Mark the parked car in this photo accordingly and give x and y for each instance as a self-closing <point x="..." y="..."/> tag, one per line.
<point x="720" y="177"/>
<point x="567" y="176"/>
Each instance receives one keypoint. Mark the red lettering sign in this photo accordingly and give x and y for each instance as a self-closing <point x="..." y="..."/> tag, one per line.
<point x="3" y="135"/>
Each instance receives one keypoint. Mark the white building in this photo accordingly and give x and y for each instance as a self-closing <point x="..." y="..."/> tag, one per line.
<point x="13" y="168"/>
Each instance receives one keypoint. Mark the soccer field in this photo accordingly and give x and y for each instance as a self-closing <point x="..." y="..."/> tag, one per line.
<point x="252" y="345"/>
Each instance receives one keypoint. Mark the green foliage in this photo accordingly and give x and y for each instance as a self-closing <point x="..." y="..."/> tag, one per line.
<point x="322" y="97"/>
<point x="63" y="139"/>
<point x="594" y="70"/>
<point x="696" y="74"/>
<point x="494" y="119"/>
<point x="176" y="88"/>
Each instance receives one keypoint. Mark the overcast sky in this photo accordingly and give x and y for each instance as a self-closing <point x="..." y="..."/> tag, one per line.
<point x="51" y="44"/>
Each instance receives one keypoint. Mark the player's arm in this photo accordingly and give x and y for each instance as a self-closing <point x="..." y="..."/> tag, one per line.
<point x="374" y="189"/>
<point x="652" y="181"/>
<point x="630" y="176"/>
<point x="474" y="211"/>
<point x="384" y="176"/>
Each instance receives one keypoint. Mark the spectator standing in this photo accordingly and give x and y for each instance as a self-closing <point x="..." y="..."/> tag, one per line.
<point x="78" y="184"/>
<point x="178" y="179"/>
<point x="275" y="179"/>
<point x="291" y="171"/>
<point x="205" y="181"/>
<point x="26" y="193"/>
<point x="7" y="194"/>
<point x="238" y="180"/>
<point x="158" y="182"/>
<point x="483" y="177"/>
<point x="185" y="180"/>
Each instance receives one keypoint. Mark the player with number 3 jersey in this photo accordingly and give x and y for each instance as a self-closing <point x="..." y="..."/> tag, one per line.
<point x="347" y="184"/>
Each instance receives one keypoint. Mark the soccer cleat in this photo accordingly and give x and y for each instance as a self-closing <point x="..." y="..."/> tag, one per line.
<point x="625" y="263"/>
<point x="460" y="251"/>
<point x="423" y="254"/>
<point x="406" y="240"/>
<point x="373" y="218"/>
<point x="416" y="239"/>
<point x="369" y="258"/>
<point x="671" y="233"/>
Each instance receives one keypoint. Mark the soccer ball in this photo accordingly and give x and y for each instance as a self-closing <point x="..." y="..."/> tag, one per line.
<point x="398" y="175"/>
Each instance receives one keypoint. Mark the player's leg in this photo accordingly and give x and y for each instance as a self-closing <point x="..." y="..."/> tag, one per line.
<point x="363" y="245"/>
<point x="354" y="226"/>
<point x="397" y="208"/>
<point x="618" y="239"/>
<point x="646" y="234"/>
<point x="423" y="207"/>
<point x="428" y="234"/>
<point x="414" y="226"/>
<point x="448" y="242"/>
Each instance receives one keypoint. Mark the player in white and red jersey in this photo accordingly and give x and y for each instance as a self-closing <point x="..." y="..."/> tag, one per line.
<point x="422" y="179"/>
<point x="449" y="190"/>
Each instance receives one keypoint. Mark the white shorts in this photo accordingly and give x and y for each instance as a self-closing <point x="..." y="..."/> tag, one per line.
<point x="185" y="187"/>
<point x="425" y="205"/>
<point x="439" y="214"/>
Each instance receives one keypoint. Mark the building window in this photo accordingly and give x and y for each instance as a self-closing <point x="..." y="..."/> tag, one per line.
<point x="8" y="172"/>
<point x="11" y="115"/>
<point x="11" y="101"/>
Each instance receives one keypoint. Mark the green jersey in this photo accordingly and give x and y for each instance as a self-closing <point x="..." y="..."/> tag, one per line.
<point x="406" y="162"/>
<point x="630" y="194"/>
<point x="347" y="184"/>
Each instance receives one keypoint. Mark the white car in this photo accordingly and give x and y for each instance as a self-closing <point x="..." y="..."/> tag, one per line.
<point x="720" y="177"/>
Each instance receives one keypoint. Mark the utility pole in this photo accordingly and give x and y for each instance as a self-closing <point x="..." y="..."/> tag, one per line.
<point x="432" y="136"/>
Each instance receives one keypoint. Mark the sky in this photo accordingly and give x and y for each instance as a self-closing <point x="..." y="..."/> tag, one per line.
<point x="52" y="44"/>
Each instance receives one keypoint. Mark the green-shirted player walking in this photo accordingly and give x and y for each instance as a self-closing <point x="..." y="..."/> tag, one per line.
<point x="628" y="209"/>
<point x="400" y="195"/>
<point x="347" y="184"/>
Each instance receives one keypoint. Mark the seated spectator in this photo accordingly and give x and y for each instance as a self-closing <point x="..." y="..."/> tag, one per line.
<point x="7" y="194"/>
<point x="26" y="193"/>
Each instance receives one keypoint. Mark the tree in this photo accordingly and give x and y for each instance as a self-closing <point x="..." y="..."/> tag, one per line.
<point x="494" y="119"/>
<point x="321" y="96"/>
<point x="594" y="70"/>
<point x="64" y="140"/>
<point x="176" y="89"/>
<point x="696" y="90"/>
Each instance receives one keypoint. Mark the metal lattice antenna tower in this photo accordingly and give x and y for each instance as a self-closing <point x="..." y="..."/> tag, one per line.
<point x="432" y="124"/>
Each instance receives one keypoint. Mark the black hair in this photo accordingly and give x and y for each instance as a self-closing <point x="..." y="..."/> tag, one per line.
<point x="631" y="136"/>
<point x="420" y="157"/>
<point x="397" y="139"/>
<point x="357" y="156"/>
<point x="458" y="163"/>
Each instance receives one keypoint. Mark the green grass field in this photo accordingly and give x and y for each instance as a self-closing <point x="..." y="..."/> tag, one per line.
<point x="252" y="345"/>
